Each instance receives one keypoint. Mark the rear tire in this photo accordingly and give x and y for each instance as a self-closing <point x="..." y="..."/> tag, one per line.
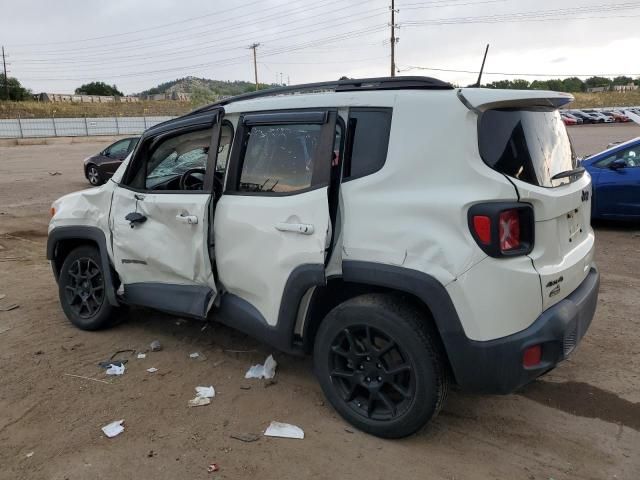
<point x="380" y="365"/>
<point x="82" y="289"/>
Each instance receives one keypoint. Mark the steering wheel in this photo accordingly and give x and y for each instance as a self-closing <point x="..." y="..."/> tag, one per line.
<point x="194" y="183"/>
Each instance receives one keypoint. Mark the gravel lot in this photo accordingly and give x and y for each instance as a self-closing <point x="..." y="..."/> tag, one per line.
<point x="580" y="421"/>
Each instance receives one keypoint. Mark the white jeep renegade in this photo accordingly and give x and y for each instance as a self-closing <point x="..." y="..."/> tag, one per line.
<point x="408" y="234"/>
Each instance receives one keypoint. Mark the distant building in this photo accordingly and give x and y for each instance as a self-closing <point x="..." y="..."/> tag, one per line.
<point x="180" y="96"/>
<point x="625" y="88"/>
<point x="614" y="88"/>
<point x="77" y="98"/>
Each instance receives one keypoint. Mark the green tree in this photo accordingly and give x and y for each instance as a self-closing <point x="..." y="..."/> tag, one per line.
<point x="573" y="84"/>
<point x="16" y="91"/>
<point x="202" y="96"/>
<point x="622" y="80"/>
<point x="540" y="85"/>
<point x="597" y="82"/>
<point x="98" y="88"/>
<point x="520" y="84"/>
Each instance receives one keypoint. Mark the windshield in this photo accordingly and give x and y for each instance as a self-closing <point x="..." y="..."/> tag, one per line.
<point x="530" y="145"/>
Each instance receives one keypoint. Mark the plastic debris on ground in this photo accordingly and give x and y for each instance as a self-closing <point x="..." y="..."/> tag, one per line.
<point x="152" y="370"/>
<point x="203" y="396"/>
<point x="116" y="369"/>
<point x="113" y="429"/>
<point x="246" y="437"/>
<point x="30" y="454"/>
<point x="194" y="355"/>
<point x="141" y="356"/>
<point x="213" y="468"/>
<point x="155" y="346"/>
<point x="284" y="430"/>
<point x="268" y="370"/>
<point x="108" y="363"/>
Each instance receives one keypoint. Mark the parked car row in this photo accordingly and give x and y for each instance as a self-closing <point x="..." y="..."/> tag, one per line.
<point x="611" y="115"/>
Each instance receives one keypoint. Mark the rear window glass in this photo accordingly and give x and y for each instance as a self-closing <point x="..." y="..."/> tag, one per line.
<point x="370" y="140"/>
<point x="530" y="145"/>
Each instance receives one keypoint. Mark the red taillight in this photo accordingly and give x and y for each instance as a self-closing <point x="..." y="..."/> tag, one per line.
<point x="482" y="226"/>
<point x="532" y="356"/>
<point x="509" y="230"/>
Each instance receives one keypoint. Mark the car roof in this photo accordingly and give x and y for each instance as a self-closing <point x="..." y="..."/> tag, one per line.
<point x="611" y="150"/>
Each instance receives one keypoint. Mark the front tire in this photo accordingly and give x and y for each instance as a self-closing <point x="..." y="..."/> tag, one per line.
<point x="82" y="289"/>
<point x="380" y="365"/>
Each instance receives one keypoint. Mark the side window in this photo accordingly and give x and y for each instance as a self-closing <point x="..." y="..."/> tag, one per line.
<point x="132" y="145"/>
<point x="369" y="140"/>
<point x="119" y="148"/>
<point x="173" y="157"/>
<point x="279" y="158"/>
<point x="631" y="157"/>
<point x="160" y="163"/>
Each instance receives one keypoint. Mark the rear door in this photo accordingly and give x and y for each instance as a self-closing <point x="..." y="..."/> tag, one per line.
<point x="529" y="144"/>
<point x="274" y="216"/>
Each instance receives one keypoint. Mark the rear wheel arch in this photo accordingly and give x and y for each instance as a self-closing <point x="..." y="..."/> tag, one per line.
<point x="417" y="289"/>
<point x="63" y="240"/>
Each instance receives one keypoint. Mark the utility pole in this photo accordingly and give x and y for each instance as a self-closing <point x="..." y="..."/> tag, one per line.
<point x="253" y="47"/>
<point x="6" y="78"/>
<point x="393" y="38"/>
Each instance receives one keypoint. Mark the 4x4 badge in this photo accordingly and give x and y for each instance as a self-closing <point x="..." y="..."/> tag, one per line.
<point x="585" y="195"/>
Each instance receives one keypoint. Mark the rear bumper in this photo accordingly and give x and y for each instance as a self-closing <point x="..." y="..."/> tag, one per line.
<point x="495" y="366"/>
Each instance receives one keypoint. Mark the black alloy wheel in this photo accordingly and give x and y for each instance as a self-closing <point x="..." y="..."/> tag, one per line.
<point x="85" y="291"/>
<point x="373" y="374"/>
<point x="380" y="364"/>
<point x="82" y="289"/>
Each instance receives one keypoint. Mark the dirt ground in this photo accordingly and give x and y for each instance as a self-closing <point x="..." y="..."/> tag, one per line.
<point x="582" y="421"/>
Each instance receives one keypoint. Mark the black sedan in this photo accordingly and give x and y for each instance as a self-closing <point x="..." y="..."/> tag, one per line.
<point x="99" y="168"/>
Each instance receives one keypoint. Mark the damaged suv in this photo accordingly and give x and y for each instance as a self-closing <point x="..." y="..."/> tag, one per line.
<point x="409" y="235"/>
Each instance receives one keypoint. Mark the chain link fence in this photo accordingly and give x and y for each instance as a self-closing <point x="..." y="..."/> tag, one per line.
<point x="76" y="127"/>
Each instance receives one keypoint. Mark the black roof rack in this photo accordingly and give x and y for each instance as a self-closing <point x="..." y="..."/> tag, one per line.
<point x="349" y="85"/>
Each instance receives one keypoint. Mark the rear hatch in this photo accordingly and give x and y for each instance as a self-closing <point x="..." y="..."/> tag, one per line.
<point x="522" y="136"/>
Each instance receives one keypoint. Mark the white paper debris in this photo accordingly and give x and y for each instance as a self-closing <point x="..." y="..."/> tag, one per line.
<point x="113" y="429"/>
<point x="203" y="396"/>
<point x="142" y="355"/>
<point x="284" y="430"/>
<point x="206" y="392"/>
<point x="115" y="369"/>
<point x="30" y="454"/>
<point x="194" y="355"/>
<point x="152" y="370"/>
<point x="268" y="370"/>
<point x="199" y="401"/>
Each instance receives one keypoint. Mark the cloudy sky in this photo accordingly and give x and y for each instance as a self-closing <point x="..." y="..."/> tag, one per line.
<point x="138" y="44"/>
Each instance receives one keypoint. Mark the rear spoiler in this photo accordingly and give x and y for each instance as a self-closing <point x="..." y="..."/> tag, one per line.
<point x="482" y="99"/>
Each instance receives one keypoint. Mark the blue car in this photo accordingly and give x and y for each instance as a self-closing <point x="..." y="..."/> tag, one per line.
<point x="616" y="181"/>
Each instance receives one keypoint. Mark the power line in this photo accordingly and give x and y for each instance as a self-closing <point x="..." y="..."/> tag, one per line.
<point x="319" y="41"/>
<point x="512" y="74"/>
<point x="227" y="25"/>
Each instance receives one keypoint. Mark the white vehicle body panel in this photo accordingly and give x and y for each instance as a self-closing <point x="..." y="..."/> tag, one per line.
<point x="253" y="257"/>
<point x="163" y="249"/>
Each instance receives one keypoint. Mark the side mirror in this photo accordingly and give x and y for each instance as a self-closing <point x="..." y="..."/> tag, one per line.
<point x="617" y="164"/>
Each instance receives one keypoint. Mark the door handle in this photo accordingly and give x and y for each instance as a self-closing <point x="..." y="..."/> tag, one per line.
<point x="188" y="219"/>
<point x="302" y="228"/>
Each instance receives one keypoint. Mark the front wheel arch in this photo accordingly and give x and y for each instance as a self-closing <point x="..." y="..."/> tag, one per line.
<point x="62" y="240"/>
